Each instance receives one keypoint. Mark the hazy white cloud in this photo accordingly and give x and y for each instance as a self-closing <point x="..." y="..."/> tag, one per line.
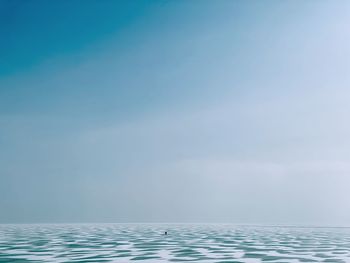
<point x="239" y="118"/>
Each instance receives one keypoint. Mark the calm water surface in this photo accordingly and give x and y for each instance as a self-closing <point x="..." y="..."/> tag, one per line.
<point x="184" y="243"/>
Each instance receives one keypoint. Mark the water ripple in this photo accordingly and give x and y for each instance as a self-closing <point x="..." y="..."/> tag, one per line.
<point x="184" y="243"/>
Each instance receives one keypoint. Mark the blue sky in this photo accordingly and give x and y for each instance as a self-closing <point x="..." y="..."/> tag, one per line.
<point x="174" y="111"/>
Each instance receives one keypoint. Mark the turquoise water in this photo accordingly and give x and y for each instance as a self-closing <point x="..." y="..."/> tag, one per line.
<point x="184" y="243"/>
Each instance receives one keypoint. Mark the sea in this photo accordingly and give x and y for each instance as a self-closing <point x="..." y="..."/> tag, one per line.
<point x="217" y="243"/>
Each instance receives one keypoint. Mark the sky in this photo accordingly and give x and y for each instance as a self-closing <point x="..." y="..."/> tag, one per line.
<point x="175" y="111"/>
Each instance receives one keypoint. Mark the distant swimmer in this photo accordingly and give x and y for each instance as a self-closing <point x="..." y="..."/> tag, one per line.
<point x="165" y="233"/>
